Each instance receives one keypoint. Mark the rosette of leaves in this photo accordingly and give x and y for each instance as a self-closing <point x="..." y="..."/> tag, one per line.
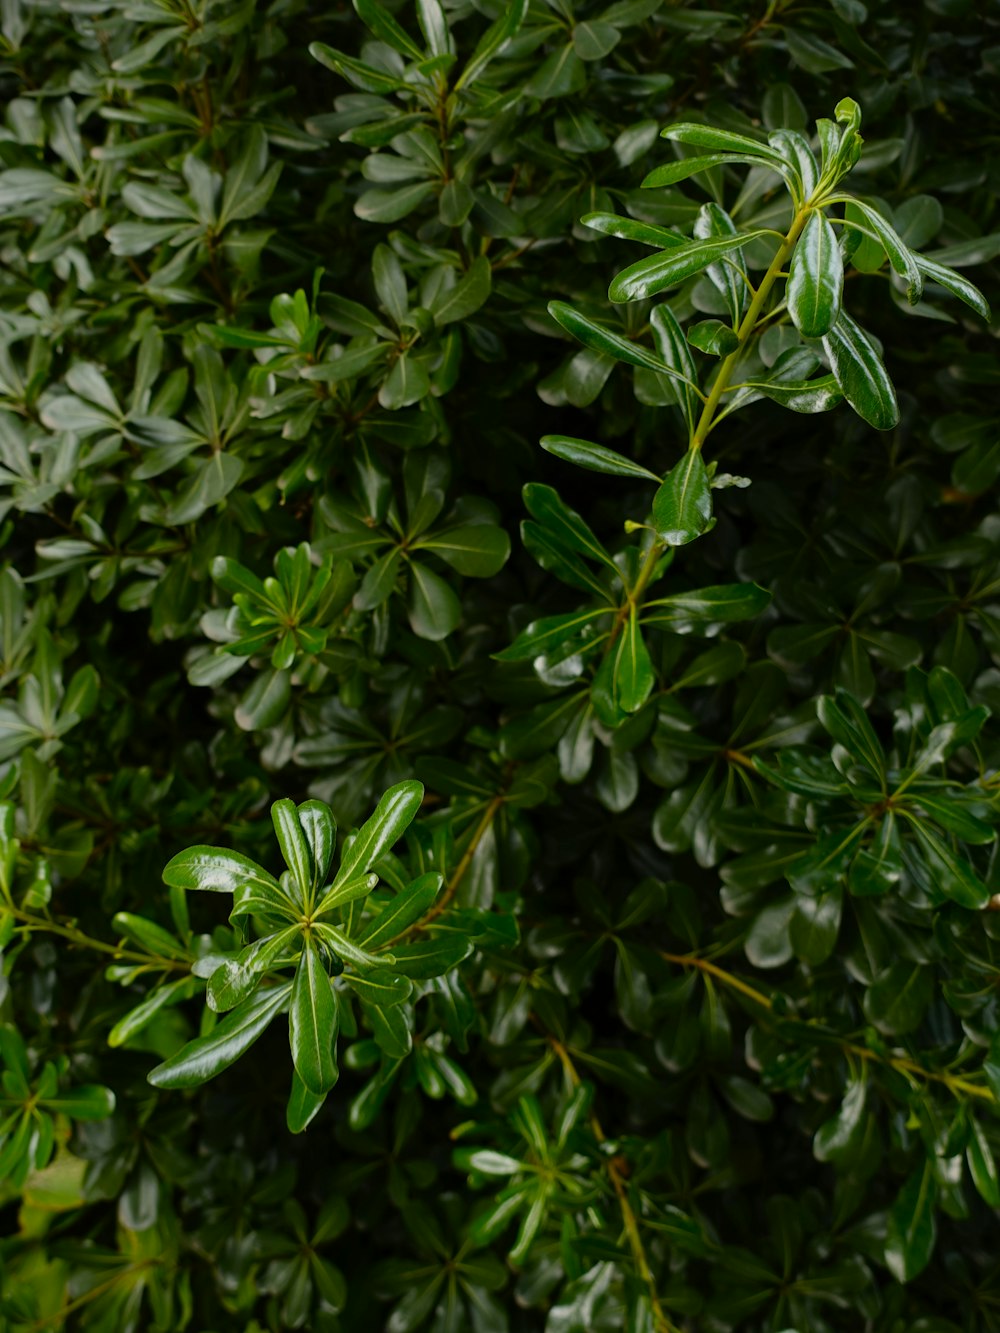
<point x="287" y="619"/>
<point x="31" y="1104"/>
<point x="397" y="357"/>
<point x="313" y="925"/>
<point x="395" y="542"/>
<point x="895" y="822"/>
<point x="607" y="632"/>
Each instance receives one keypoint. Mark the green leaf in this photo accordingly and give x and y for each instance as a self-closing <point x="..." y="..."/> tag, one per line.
<point x="675" y="352"/>
<point x="672" y="172"/>
<point x="900" y="256"/>
<point x="410" y="905"/>
<point x="549" y="509"/>
<point x="634" y="677"/>
<point x="713" y="337"/>
<point x="954" y="283"/>
<point x="815" y="925"/>
<point x="656" y="273"/>
<point x="320" y="829"/>
<point x="629" y="229"/>
<point x="559" y="74"/>
<point x="265" y="701"/>
<point x="303" y="1106"/>
<point x="292" y="841"/>
<point x="982" y="1165"/>
<point x="946" y="874"/>
<point x="706" y="610"/>
<point x="594" y="39"/>
<point x="391" y="205"/>
<point x="217" y="870"/>
<point x="360" y="75"/>
<point x="545" y="635"/>
<point x="848" y="724"/>
<point x="86" y="1101"/>
<point x="859" y="371"/>
<point x="382" y="989"/>
<point x="876" y="869"/>
<point x="837" y="1140"/>
<point x="229" y="985"/>
<point x="393" y="815"/>
<point x="493" y="41"/>
<point x="478" y="550"/>
<point x="312" y="1023"/>
<point x="389" y="1028"/>
<point x="898" y="998"/>
<point x="379" y="582"/>
<point x="423" y="959"/>
<point x="407" y="383"/>
<point x="383" y="26"/>
<point x="911" y="1230"/>
<point x="815" y="278"/>
<point x="465" y="297"/>
<point x="205" y="1057"/>
<point x="434" y="610"/>
<point x="682" y="507"/>
<point x="136" y="1020"/>
<point x="707" y="136"/>
<point x="613" y="344"/>
<point x="595" y="457"/>
<point x="813" y="54"/>
<point x="729" y="278"/>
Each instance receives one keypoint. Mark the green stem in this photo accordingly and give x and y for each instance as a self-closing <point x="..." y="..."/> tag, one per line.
<point x="635" y="592"/>
<point x="902" y="1064"/>
<point x="455" y="880"/>
<point x="32" y="922"/>
<point x="617" y="1174"/>
<point x="750" y="320"/>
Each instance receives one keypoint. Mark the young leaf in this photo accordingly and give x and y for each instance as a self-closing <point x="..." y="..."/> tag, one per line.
<point x="634" y="677"/>
<point x="292" y="841"/>
<point x="320" y="829"/>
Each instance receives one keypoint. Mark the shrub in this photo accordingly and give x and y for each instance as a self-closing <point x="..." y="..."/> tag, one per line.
<point x="605" y="831"/>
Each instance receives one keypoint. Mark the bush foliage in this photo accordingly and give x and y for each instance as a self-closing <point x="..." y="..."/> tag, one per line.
<point x="650" y="981"/>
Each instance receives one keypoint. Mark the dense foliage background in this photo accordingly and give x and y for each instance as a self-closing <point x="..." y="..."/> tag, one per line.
<point x="692" y="1018"/>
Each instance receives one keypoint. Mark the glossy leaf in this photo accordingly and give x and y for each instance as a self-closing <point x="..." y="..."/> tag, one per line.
<point x="859" y="371"/>
<point x="815" y="278"/>
<point x="205" y="1057"/>
<point x="682" y="507"/>
<point x="656" y="273"/>
<point x="312" y="1023"/>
